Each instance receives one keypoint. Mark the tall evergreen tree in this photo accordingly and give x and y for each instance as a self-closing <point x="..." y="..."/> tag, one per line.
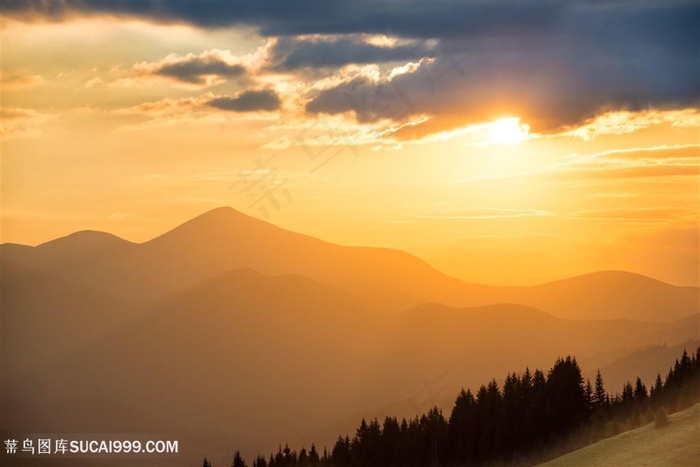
<point x="313" y="455"/>
<point x="567" y="396"/>
<point x="640" y="391"/>
<point x="600" y="399"/>
<point x="238" y="460"/>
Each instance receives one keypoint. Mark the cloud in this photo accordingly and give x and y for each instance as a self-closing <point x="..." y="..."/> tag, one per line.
<point x="635" y="163"/>
<point x="206" y="69"/>
<point x="652" y="152"/>
<point x="624" y="122"/>
<point x="489" y="213"/>
<point x="248" y="101"/>
<point x="21" y="123"/>
<point x="555" y="65"/>
<point x="552" y="90"/>
<point x="290" y="53"/>
<point x="626" y="214"/>
<point x="640" y="172"/>
<point x="664" y="162"/>
<point x="274" y="18"/>
<point x="207" y="108"/>
<point x="168" y="106"/>
<point x="12" y="83"/>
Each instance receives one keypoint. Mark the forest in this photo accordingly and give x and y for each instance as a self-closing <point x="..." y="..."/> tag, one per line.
<point x="527" y="419"/>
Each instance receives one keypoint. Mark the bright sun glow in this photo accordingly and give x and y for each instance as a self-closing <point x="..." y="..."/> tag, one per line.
<point x="507" y="131"/>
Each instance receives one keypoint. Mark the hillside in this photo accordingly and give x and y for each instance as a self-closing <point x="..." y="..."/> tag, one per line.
<point x="289" y="349"/>
<point x="677" y="445"/>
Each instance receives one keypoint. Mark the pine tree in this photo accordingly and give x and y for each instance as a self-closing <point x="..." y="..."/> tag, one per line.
<point x="589" y="394"/>
<point x="599" y="397"/>
<point x="658" y="385"/>
<point x="313" y="455"/>
<point x="627" y="392"/>
<point x="640" y="391"/>
<point x="303" y="457"/>
<point x="238" y="460"/>
<point x="206" y="463"/>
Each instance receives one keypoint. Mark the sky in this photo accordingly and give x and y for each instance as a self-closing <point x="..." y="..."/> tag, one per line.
<point x="504" y="143"/>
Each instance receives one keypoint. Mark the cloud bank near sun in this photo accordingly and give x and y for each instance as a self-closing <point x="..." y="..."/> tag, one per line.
<point x="555" y="66"/>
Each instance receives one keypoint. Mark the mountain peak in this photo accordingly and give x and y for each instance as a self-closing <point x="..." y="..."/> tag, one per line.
<point x="224" y="219"/>
<point x="86" y="240"/>
<point x="610" y="278"/>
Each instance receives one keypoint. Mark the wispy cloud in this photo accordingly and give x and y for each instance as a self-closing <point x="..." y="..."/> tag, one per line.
<point x="488" y="213"/>
<point x="21" y="123"/>
<point x="626" y="122"/>
<point x="612" y="195"/>
<point x="14" y="82"/>
<point x="630" y="214"/>
<point x="644" y="162"/>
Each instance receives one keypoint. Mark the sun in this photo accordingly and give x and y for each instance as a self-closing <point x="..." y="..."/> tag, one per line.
<point x="507" y="131"/>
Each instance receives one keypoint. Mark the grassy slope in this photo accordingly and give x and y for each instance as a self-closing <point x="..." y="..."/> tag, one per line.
<point x="675" y="445"/>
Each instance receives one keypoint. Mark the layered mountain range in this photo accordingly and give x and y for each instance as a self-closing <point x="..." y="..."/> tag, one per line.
<point x="230" y="331"/>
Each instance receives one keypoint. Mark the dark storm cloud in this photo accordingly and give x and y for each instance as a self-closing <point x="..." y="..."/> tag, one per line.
<point x="248" y="101"/>
<point x="597" y="58"/>
<point x="408" y="18"/>
<point x="549" y="88"/>
<point x="194" y="70"/>
<point x="553" y="63"/>
<point x="290" y="53"/>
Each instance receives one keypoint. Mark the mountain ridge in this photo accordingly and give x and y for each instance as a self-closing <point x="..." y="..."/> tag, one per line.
<point x="225" y="239"/>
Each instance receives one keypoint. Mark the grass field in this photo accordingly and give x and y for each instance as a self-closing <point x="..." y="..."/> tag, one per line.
<point x="675" y="445"/>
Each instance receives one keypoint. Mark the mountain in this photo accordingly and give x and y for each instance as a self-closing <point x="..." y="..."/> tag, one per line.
<point x="252" y="360"/>
<point x="611" y="295"/>
<point x="206" y="365"/>
<point x="645" y="362"/>
<point x="501" y="338"/>
<point x="228" y="330"/>
<point x="223" y="239"/>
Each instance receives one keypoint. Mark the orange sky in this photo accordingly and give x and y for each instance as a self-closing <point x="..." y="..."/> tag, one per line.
<point x="96" y="135"/>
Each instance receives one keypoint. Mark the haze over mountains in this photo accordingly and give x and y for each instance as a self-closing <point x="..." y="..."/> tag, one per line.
<point x="230" y="331"/>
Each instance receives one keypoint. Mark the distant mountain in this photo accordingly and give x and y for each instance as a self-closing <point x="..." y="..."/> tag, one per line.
<point x="611" y="295"/>
<point x="224" y="239"/>
<point x="206" y="362"/>
<point x="502" y="338"/>
<point x="251" y="359"/>
<point x="645" y="362"/>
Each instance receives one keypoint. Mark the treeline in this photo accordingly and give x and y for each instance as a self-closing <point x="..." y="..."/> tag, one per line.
<point x="531" y="412"/>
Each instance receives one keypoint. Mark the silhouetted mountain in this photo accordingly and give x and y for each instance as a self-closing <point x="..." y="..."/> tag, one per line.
<point x="611" y="295"/>
<point x="224" y="239"/>
<point x="229" y="318"/>
<point x="268" y="352"/>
